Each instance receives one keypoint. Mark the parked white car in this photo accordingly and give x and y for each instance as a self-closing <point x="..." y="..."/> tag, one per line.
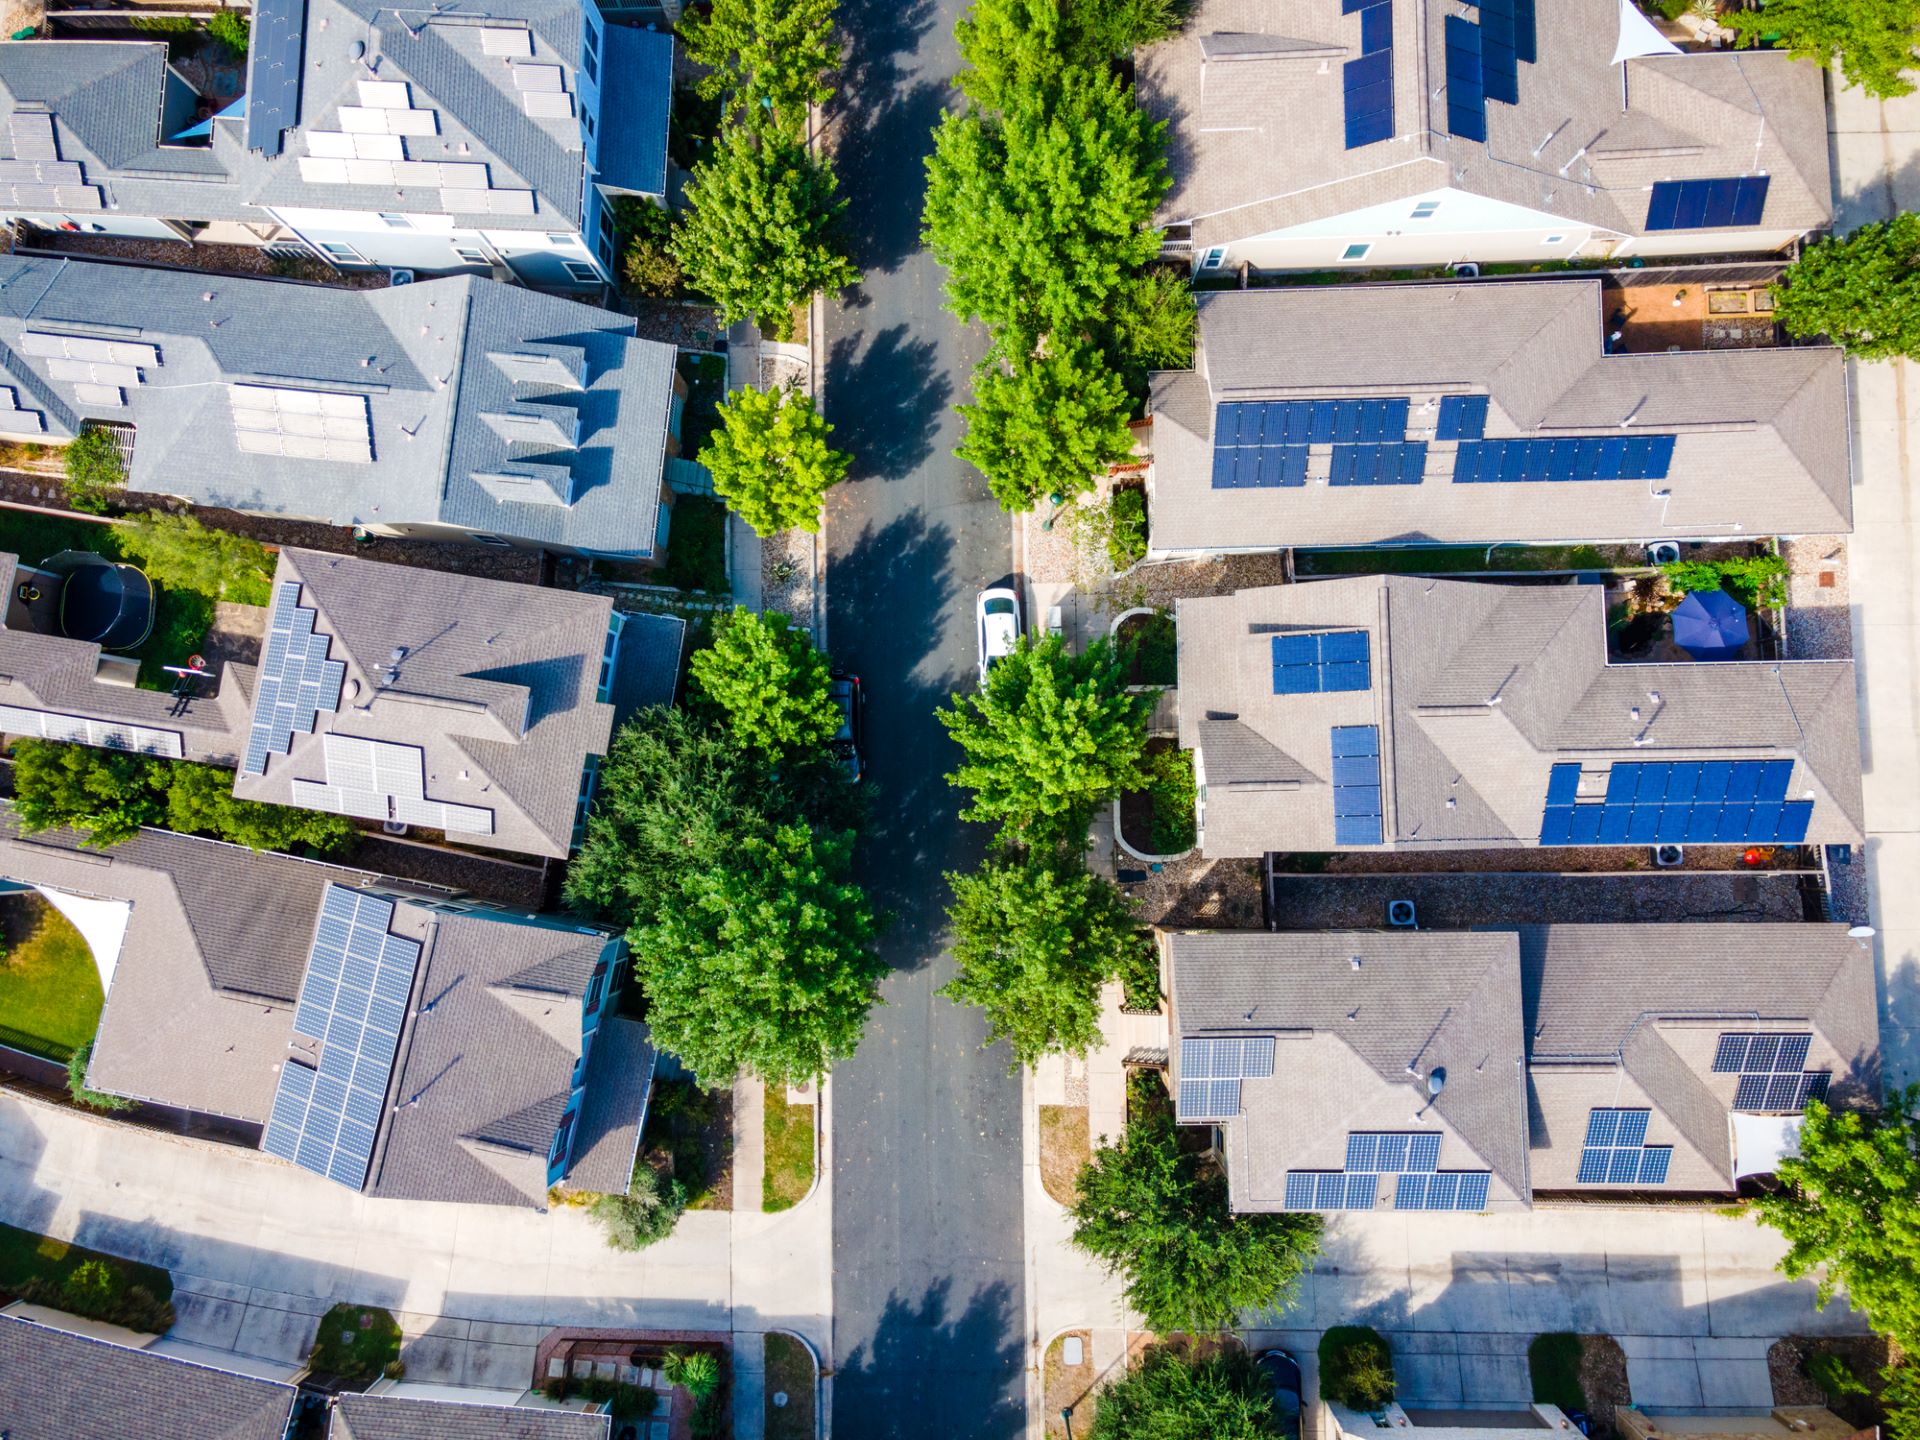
<point x="997" y="614"/>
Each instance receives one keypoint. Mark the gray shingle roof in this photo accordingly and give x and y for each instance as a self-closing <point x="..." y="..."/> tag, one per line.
<point x="60" y="677"/>
<point x="497" y="690"/>
<point x="1355" y="1046"/>
<point x="488" y="1057"/>
<point x="426" y="359"/>
<point x="58" y="1386"/>
<point x="619" y="1080"/>
<point x="1258" y="122"/>
<point x="201" y="1001"/>
<point x="391" y="1417"/>
<point x="1461" y="768"/>
<point x="1762" y="434"/>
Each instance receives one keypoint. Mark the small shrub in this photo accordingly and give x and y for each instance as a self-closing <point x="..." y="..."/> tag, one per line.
<point x="1156" y="656"/>
<point x="233" y="30"/>
<point x="695" y="1371"/>
<point x="1127" y="539"/>
<point x="77" y="1084"/>
<point x="709" y="1418"/>
<point x="1356" y="1367"/>
<point x="94" y="470"/>
<point x="1834" y="1376"/>
<point x="164" y="24"/>
<point x="1140" y="977"/>
<point x="647" y="265"/>
<point x="1170" y="782"/>
<point x="91" y="1288"/>
<point x="99" y="1290"/>
<point x="646" y="1214"/>
<point x="1756" y="581"/>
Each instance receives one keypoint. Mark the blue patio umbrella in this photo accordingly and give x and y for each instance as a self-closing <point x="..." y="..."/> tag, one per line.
<point x="1710" y="625"/>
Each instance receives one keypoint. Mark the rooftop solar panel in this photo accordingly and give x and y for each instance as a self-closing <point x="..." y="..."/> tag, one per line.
<point x="273" y="72"/>
<point x="1473" y="1190"/>
<point x="1501" y="72"/>
<point x="1358" y="817"/>
<point x="1410" y="1192"/>
<point x="1301" y="1188"/>
<point x="296" y="680"/>
<point x="1714" y="204"/>
<point x="1462" y="417"/>
<point x="1466" y="93"/>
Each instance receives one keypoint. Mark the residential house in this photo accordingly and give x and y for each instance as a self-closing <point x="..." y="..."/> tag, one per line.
<point x="1475" y="1070"/>
<point x="457" y="409"/>
<point x="475" y="707"/>
<point x="54" y="686"/>
<point x="1394" y="1420"/>
<point x="1482" y="413"/>
<point x="1375" y="133"/>
<point x="380" y="1416"/>
<point x="55" y="1385"/>
<point x="405" y="1043"/>
<point x="1392" y="712"/>
<point x="490" y="139"/>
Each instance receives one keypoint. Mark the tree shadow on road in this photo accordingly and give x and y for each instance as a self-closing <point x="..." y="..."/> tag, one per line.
<point x="924" y="1372"/>
<point x="882" y="119"/>
<point x="902" y="397"/>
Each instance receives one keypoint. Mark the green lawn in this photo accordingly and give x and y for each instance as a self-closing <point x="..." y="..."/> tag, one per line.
<point x="706" y="377"/>
<point x="1554" y="1363"/>
<point x="25" y="1257"/>
<point x="1469" y="559"/>
<point x="789" y="1371"/>
<point x="50" y="995"/>
<point x="788" y="1131"/>
<point x="355" y="1340"/>
<point x="696" y="546"/>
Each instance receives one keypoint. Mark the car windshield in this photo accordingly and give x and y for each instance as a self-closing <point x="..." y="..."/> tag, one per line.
<point x="999" y="607"/>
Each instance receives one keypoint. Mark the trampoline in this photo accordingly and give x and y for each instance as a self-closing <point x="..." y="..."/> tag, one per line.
<point x="109" y="604"/>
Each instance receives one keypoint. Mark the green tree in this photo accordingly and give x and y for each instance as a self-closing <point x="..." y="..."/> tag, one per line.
<point x="1046" y="426"/>
<point x="1862" y="290"/>
<point x="768" y="681"/>
<point x="1356" y="1367"/>
<point x="178" y="551"/>
<point x="771" y="461"/>
<point x="1041" y="215"/>
<point x="762" y="961"/>
<point x="1051" y="735"/>
<point x="200" y="801"/>
<point x="1014" y="47"/>
<point x="760" y="233"/>
<point x="232" y="29"/>
<point x="1157" y="1215"/>
<point x="94" y="470"/>
<point x="1874" y="40"/>
<point x="647" y="264"/>
<point x="1036" y="937"/>
<point x="646" y="1214"/>
<point x="107" y="795"/>
<point x="769" y="58"/>
<point x="1153" y="327"/>
<point x="695" y="1371"/>
<point x="1111" y="29"/>
<point x="1849" y="1207"/>
<point x="1169" y="1397"/>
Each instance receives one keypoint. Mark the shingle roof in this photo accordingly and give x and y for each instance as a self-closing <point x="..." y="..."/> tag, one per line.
<point x="619" y="1080"/>
<point x="1477" y="691"/>
<point x="487" y="1060"/>
<point x="497" y="691"/>
<point x="391" y="1417"/>
<point x="427" y="360"/>
<point x="201" y="1001"/>
<point x="1258" y="122"/>
<point x="1761" y="443"/>
<point x="1356" y="1045"/>
<point x="58" y="1386"/>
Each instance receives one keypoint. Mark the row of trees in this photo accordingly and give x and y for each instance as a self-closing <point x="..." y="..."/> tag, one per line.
<point x="1040" y="198"/>
<point x="721" y="841"/>
<point x="761" y="234"/>
<point x="1050" y="736"/>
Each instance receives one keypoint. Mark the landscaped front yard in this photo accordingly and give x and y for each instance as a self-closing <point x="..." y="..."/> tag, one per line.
<point x="788" y="1132"/>
<point x="50" y="994"/>
<point x="85" y="1282"/>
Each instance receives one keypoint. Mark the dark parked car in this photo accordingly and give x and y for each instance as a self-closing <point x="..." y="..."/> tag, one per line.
<point x="845" y="692"/>
<point x="1283" y="1373"/>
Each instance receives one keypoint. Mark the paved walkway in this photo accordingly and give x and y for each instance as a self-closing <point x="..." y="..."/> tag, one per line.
<point x="259" y="1250"/>
<point x="1876" y="157"/>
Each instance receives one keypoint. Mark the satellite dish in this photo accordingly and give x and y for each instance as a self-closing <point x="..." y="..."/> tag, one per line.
<point x="1437" y="1081"/>
<point x="1862" y="932"/>
<point x="357" y="50"/>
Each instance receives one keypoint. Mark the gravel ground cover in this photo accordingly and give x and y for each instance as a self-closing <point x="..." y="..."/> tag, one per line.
<point x="1819" y="618"/>
<point x="1452" y="902"/>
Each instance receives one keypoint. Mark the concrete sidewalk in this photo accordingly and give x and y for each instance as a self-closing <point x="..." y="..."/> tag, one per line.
<point x="1875" y="147"/>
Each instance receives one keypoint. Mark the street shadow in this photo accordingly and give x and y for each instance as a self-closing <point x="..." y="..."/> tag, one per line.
<point x="926" y="1371"/>
<point x="883" y="117"/>
<point x="1881" y="197"/>
<point x="902" y="399"/>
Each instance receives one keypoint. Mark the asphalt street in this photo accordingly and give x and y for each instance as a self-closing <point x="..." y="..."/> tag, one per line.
<point x="929" y="1305"/>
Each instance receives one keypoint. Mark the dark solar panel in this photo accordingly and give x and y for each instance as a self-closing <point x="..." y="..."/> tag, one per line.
<point x="1466" y="92"/>
<point x="1714" y="204"/>
<point x="1325" y="663"/>
<point x="1462" y="417"/>
<point x="273" y="72"/>
<point x="1357" y="810"/>
<point x="1367" y="83"/>
<point x="296" y="680"/>
<point x="1616" y="1152"/>
<point x="1563" y="458"/>
<point x="1499" y="61"/>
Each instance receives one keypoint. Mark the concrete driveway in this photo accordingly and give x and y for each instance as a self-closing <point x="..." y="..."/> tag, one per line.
<point x="259" y="1250"/>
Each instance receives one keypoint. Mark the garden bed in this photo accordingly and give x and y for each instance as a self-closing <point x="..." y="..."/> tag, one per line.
<point x="49" y="1272"/>
<point x="706" y="377"/>
<point x="1147" y="639"/>
<point x="1069" y="1387"/>
<point x="1159" y="820"/>
<point x="787" y="1130"/>
<point x="356" y="1342"/>
<point x="1064" y="1148"/>
<point x="790" y="1372"/>
<point x="689" y="1136"/>
<point x="696" y="547"/>
<point x="50" y="994"/>
<point x="1865" y="1356"/>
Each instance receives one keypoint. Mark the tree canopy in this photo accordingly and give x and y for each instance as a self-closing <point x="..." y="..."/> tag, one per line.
<point x="768" y="681"/>
<point x="1035" y="938"/>
<point x="1051" y="735"/>
<point x="1013" y="47"/>
<point x="1224" y="1396"/>
<point x="1046" y="425"/>
<point x="1874" y="40"/>
<point x="1156" y="1214"/>
<point x="1849" y="1207"/>
<point x="771" y="461"/>
<point x="769" y="58"/>
<point x="760" y="236"/>
<point x="178" y="551"/>
<point x="1861" y="290"/>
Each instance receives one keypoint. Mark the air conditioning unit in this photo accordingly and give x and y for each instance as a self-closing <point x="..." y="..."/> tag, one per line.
<point x="1669" y="856"/>
<point x="399" y="277"/>
<point x="394" y="827"/>
<point x="1466" y="270"/>
<point x="1400" y="914"/>
<point x="1662" y="552"/>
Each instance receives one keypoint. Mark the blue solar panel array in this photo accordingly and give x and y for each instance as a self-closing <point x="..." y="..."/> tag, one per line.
<point x="1707" y="204"/>
<point x="1466" y="81"/>
<point x="352" y="1002"/>
<point x="273" y="72"/>
<point x="1211" y="1069"/>
<point x="1721" y="802"/>
<point x="1367" y="82"/>
<point x="1325" y="663"/>
<point x="1499" y="60"/>
<point x="1615" y="457"/>
<point x="1448" y="1190"/>
<point x="1262" y="444"/>
<point x="1330" y="1190"/>
<point x="297" y="681"/>
<point x="1462" y="417"/>
<point x="1357" y="816"/>
<point x="1772" y="1070"/>
<point x="1392" y="1154"/>
<point x="1616" y="1152"/>
<point x="1483" y="61"/>
<point x="1394" y="463"/>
